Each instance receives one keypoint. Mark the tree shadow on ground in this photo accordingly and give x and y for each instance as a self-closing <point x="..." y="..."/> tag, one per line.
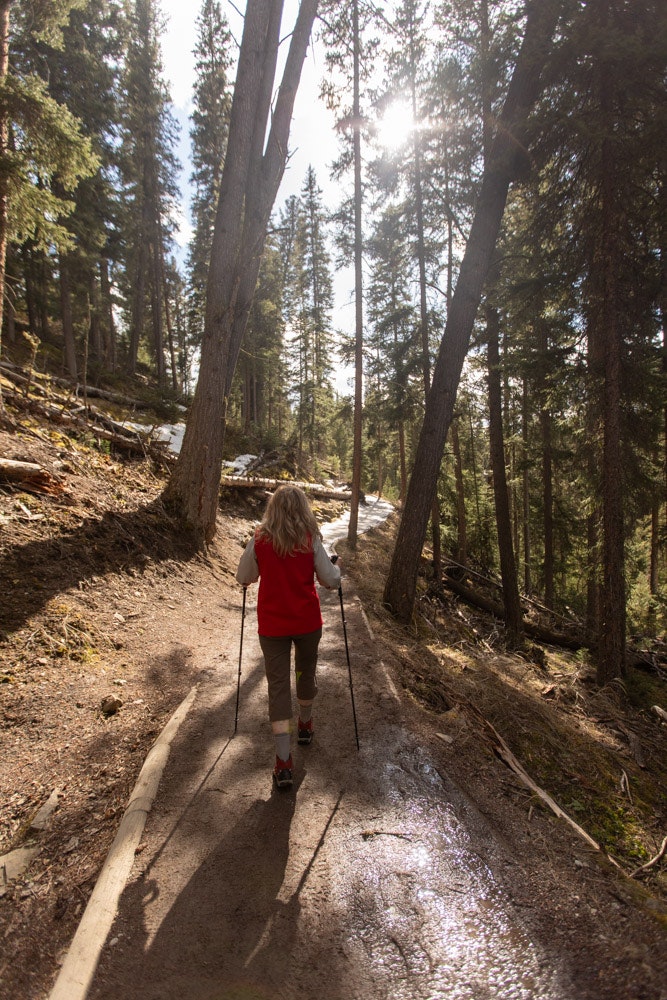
<point x="33" y="573"/>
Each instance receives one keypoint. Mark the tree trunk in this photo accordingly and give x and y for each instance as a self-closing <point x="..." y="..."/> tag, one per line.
<point x="525" y="442"/>
<point x="606" y="267"/>
<point x="462" y="533"/>
<point x="423" y="301"/>
<point x="662" y="306"/>
<point x="95" y="324"/>
<point x="654" y="567"/>
<point x="402" y="462"/>
<point x="548" y="500"/>
<point x="157" y="296"/>
<point x="30" y="296"/>
<point x="547" y="474"/>
<point x="511" y="601"/>
<point x="4" y="189"/>
<point x="11" y="324"/>
<point x="248" y="188"/>
<point x="506" y="156"/>
<point x="69" y="345"/>
<point x="44" y="281"/>
<point x="358" y="293"/>
<point x="137" y="308"/>
<point x="109" y="325"/>
<point x="611" y="657"/>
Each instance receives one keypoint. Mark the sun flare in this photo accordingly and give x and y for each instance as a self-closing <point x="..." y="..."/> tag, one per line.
<point x="396" y="126"/>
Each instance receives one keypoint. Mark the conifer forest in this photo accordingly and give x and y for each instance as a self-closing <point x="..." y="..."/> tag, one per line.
<point x="500" y="227"/>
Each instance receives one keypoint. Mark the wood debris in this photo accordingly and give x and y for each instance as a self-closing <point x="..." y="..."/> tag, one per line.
<point x="30" y="477"/>
<point x="649" y="864"/>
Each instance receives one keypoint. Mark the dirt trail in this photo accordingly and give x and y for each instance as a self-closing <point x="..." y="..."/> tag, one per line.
<point x="375" y="876"/>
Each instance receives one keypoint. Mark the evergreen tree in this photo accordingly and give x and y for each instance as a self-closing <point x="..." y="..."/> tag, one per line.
<point x="407" y="64"/>
<point x="254" y="165"/>
<point x="393" y="360"/>
<point x="261" y="370"/>
<point x="314" y="317"/>
<point x="40" y="140"/>
<point x="504" y="162"/>
<point x="149" y="133"/>
<point x="83" y="74"/>
<point x="208" y="135"/>
<point x="349" y="53"/>
<point x="599" y="156"/>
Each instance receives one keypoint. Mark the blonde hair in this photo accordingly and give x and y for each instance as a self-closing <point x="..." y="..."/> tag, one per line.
<point x="288" y="521"/>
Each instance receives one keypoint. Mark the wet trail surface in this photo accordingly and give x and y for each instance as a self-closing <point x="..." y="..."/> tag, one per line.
<point x="373" y="877"/>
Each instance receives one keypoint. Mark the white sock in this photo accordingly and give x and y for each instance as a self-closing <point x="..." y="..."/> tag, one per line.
<point x="305" y="712"/>
<point x="282" y="741"/>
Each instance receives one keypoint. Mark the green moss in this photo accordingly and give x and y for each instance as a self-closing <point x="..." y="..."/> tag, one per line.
<point x="644" y="689"/>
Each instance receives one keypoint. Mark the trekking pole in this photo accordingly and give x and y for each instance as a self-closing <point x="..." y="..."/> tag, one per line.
<point x="238" y="684"/>
<point x="347" y="653"/>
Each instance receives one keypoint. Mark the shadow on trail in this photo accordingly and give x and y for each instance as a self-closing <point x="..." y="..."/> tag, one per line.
<point x="228" y="933"/>
<point x="214" y="726"/>
<point x="404" y="890"/>
<point x="35" y="572"/>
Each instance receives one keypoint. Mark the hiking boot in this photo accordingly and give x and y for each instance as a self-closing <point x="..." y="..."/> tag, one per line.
<point x="305" y="731"/>
<point x="282" y="772"/>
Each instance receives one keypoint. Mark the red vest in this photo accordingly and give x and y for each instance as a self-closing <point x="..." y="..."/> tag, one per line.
<point x="287" y="602"/>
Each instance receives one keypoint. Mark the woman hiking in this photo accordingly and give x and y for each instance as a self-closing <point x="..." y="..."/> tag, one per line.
<point x="286" y="554"/>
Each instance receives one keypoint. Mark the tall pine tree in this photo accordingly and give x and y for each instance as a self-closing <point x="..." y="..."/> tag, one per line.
<point x="40" y="140"/>
<point x="208" y="135"/>
<point x="149" y="167"/>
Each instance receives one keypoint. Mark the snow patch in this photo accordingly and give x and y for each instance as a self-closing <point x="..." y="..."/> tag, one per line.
<point x="372" y="513"/>
<point x="240" y="465"/>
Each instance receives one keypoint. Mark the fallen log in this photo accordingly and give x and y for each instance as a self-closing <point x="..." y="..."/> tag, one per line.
<point x="535" y="631"/>
<point x="119" y="437"/>
<point x="638" y="658"/>
<point x="113" y="397"/>
<point x="30" y="476"/>
<point x="258" y="483"/>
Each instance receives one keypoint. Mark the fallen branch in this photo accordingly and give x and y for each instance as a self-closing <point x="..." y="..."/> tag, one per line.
<point x="506" y="755"/>
<point x="649" y="864"/>
<point x="369" y="834"/>
<point x="20" y="377"/>
<point x="625" y="785"/>
<point x="502" y="750"/>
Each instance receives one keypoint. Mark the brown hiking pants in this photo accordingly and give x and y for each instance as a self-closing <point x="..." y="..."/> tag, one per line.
<point x="277" y="653"/>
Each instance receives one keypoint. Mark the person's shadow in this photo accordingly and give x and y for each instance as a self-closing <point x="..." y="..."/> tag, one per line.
<point x="227" y="935"/>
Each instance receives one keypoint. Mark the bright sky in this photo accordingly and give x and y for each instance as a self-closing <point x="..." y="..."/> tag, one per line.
<point x="312" y="138"/>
